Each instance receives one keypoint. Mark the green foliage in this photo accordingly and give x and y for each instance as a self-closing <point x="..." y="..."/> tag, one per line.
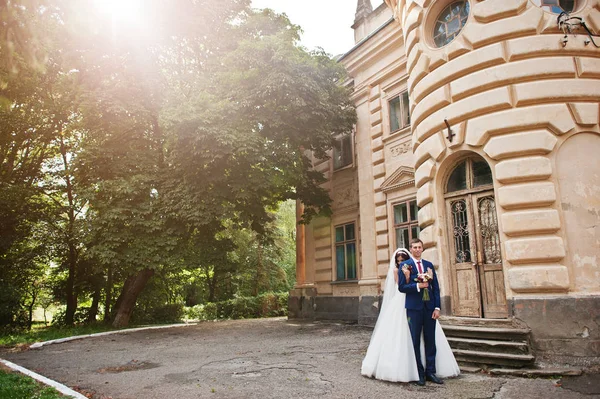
<point x="80" y="317"/>
<point x="265" y="305"/>
<point x="168" y="150"/>
<point x="45" y="333"/>
<point x="169" y="313"/>
<point x="17" y="386"/>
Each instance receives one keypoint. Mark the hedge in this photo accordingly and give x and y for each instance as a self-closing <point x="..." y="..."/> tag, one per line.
<point x="265" y="305"/>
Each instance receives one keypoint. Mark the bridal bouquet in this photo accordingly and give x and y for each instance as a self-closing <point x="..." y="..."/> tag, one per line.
<point x="425" y="278"/>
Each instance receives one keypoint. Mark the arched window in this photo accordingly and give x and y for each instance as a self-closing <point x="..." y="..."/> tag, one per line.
<point x="469" y="174"/>
<point x="450" y="22"/>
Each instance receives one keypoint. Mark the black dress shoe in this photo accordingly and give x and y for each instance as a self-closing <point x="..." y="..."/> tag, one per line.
<point x="433" y="378"/>
<point x="421" y="382"/>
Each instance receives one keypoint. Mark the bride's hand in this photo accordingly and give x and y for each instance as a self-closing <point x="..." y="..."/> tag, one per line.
<point x="406" y="273"/>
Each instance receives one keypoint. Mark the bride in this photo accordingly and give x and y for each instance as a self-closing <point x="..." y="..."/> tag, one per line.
<point x="390" y="355"/>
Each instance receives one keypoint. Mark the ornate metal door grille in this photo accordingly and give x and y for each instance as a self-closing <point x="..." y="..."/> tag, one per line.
<point x="460" y="228"/>
<point x="488" y="225"/>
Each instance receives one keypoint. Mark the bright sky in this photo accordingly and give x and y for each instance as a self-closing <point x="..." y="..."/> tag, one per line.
<point x="326" y="23"/>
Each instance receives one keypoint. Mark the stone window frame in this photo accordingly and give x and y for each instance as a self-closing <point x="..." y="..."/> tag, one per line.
<point x="471" y="187"/>
<point x="577" y="5"/>
<point x="345" y="242"/>
<point x="346" y="163"/>
<point x="410" y="224"/>
<point x="400" y="95"/>
<point x="433" y="13"/>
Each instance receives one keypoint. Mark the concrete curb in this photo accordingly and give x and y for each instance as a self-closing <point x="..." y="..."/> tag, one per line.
<point x="56" y="385"/>
<point x="38" y="345"/>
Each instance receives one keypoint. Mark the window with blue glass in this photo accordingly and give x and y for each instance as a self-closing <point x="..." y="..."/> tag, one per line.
<point x="556" y="6"/>
<point x="345" y="252"/>
<point x="450" y="22"/>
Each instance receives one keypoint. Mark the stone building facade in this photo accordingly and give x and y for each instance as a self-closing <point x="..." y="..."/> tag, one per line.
<point x="478" y="130"/>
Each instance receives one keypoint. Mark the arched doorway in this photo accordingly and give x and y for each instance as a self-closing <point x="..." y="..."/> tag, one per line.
<point x="474" y="241"/>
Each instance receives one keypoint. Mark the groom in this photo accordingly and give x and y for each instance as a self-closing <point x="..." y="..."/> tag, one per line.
<point x="421" y="314"/>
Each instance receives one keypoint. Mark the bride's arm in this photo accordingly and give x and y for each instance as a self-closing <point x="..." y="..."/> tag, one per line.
<point x="396" y="276"/>
<point x="406" y="273"/>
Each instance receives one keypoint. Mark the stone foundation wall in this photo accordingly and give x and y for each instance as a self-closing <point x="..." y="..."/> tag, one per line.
<point x="562" y="327"/>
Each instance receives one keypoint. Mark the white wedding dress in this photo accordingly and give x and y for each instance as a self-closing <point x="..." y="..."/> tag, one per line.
<point x="390" y="355"/>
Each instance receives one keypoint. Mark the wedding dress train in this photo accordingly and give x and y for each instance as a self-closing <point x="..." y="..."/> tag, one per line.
<point x="390" y="355"/>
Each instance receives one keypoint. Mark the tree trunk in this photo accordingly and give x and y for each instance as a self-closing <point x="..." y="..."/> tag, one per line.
<point x="212" y="285"/>
<point x="259" y="270"/>
<point x="95" y="302"/>
<point x="131" y="290"/>
<point x="108" y="295"/>
<point x="71" y="295"/>
<point x="72" y="257"/>
<point x="30" y="310"/>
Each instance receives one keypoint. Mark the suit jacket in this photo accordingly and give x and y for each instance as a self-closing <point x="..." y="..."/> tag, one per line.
<point x="414" y="298"/>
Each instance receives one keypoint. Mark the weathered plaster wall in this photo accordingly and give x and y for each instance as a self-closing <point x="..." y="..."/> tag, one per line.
<point x="513" y="94"/>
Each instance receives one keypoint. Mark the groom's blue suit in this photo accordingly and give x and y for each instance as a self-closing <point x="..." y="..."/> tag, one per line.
<point x="419" y="313"/>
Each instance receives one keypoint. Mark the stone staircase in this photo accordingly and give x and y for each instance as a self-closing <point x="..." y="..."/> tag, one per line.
<point x="488" y="343"/>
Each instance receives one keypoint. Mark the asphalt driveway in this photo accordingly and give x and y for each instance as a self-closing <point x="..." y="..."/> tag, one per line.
<point x="265" y="358"/>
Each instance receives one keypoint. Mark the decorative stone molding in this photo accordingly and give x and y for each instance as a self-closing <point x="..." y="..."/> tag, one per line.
<point x="539" y="278"/>
<point x="402" y="177"/>
<point x="523" y="169"/>
<point x="531" y="221"/>
<point x="535" y="249"/>
<point x="425" y="194"/>
<point x="519" y="144"/>
<point x="489" y="11"/>
<point x="585" y="114"/>
<point x="425" y="173"/>
<point x="480" y="129"/>
<point x="527" y="195"/>
<point x="400" y="149"/>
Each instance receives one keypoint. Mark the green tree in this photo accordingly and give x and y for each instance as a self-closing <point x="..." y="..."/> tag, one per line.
<point x="155" y="141"/>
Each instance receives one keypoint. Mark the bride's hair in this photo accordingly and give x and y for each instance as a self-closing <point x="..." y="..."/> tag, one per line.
<point x="403" y="256"/>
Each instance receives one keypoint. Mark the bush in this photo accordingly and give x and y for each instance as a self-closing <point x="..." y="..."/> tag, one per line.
<point x="265" y="305"/>
<point x="168" y="313"/>
<point x="80" y="317"/>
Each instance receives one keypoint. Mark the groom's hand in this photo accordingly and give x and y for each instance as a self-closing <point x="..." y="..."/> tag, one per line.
<point x="436" y="314"/>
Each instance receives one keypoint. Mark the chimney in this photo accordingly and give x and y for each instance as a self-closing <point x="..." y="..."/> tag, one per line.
<point x="363" y="9"/>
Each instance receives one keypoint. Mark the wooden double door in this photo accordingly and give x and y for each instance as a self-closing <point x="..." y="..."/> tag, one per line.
<point x="475" y="256"/>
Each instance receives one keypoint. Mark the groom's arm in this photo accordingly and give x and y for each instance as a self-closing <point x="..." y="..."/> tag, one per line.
<point x="404" y="285"/>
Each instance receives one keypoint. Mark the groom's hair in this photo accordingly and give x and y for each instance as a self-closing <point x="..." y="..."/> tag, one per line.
<point x="415" y="241"/>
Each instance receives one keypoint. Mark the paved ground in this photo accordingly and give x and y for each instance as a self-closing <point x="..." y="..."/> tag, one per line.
<point x="267" y="358"/>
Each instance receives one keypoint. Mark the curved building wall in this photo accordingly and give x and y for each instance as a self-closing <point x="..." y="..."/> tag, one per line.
<point x="517" y="95"/>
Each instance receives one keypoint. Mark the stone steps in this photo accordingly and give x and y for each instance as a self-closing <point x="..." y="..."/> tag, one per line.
<point x="485" y="345"/>
<point x="493" y="358"/>
<point x="537" y="372"/>
<point x="489" y="344"/>
<point x="494" y="333"/>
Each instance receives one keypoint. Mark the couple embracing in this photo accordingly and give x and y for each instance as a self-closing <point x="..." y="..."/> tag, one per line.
<point x="408" y="343"/>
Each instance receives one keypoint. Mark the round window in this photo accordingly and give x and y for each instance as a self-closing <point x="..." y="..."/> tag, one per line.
<point x="556" y="6"/>
<point x="450" y="22"/>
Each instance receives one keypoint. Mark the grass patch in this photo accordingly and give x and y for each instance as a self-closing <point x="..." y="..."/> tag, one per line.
<point x="17" y="386"/>
<point x="45" y="333"/>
